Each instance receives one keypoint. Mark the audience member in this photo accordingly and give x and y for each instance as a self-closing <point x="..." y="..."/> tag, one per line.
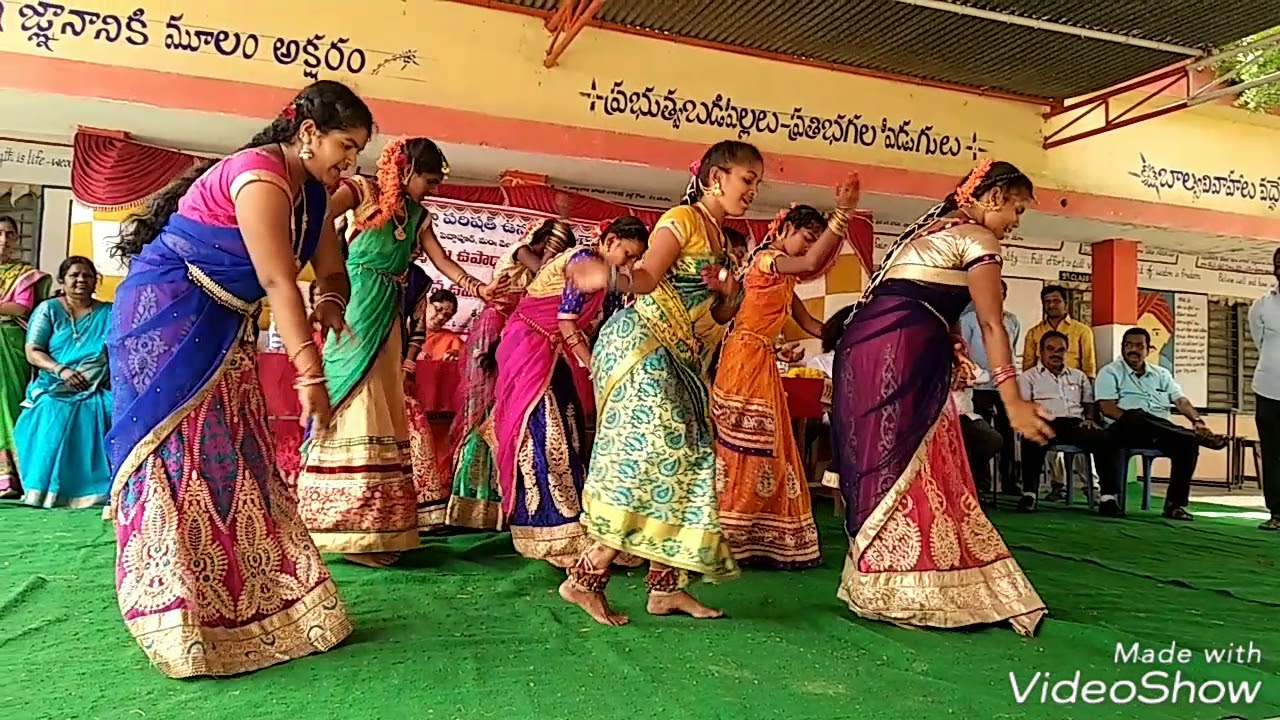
<point x="981" y="441"/>
<point x="986" y="399"/>
<point x="61" y="433"/>
<point x="441" y="344"/>
<point x="1066" y="394"/>
<point x="1080" y="352"/>
<point x="1135" y="396"/>
<point x="1264" y="327"/>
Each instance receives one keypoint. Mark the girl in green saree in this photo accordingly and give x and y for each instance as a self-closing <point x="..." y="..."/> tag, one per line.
<point x="356" y="492"/>
<point x="22" y="287"/>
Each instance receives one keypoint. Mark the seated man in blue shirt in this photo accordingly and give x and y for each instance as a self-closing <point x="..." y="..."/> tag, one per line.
<point x="986" y="399"/>
<point x="1136" y="397"/>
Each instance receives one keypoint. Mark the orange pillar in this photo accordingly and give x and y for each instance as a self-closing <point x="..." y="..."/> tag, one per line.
<point x="1115" y="295"/>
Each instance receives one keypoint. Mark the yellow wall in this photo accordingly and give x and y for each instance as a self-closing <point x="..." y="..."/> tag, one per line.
<point x="433" y="52"/>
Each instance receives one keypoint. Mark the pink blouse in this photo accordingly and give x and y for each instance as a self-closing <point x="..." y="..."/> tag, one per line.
<point x="211" y="199"/>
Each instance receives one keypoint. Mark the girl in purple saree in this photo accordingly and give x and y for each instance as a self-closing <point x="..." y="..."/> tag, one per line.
<point x="921" y="551"/>
<point x="216" y="574"/>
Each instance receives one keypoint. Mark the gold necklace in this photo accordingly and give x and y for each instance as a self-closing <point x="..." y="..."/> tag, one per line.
<point x="400" y="233"/>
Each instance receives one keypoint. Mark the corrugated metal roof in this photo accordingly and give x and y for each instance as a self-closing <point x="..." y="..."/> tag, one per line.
<point x="902" y="39"/>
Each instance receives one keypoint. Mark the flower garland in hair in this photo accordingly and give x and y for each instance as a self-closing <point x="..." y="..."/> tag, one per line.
<point x="392" y="166"/>
<point x="964" y="193"/>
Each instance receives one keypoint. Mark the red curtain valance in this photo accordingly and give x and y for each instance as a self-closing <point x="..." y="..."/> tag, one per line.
<point x="111" y="173"/>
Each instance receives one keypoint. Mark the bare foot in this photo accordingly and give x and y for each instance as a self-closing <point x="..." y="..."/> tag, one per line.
<point x="373" y="560"/>
<point x="593" y="603"/>
<point x="681" y="603"/>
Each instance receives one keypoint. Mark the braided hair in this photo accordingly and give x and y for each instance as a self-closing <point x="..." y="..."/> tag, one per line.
<point x="724" y="155"/>
<point x="982" y="179"/>
<point x="329" y="104"/>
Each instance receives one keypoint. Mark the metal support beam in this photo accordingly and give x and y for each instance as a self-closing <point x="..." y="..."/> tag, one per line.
<point x="1048" y="26"/>
<point x="565" y="24"/>
<point x="1164" y="92"/>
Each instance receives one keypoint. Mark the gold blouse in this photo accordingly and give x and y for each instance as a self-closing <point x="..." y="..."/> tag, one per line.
<point x="946" y="255"/>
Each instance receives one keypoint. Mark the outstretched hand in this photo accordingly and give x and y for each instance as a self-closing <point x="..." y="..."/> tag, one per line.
<point x="849" y="192"/>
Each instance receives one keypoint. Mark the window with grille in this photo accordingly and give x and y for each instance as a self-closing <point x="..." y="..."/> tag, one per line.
<point x="1223" y="355"/>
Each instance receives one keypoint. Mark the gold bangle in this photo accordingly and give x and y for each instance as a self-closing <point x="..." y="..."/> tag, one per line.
<point x="838" y="223"/>
<point x="293" y="356"/>
<point x="305" y="381"/>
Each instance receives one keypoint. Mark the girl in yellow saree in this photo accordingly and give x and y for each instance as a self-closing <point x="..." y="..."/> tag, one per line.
<point x="650" y="488"/>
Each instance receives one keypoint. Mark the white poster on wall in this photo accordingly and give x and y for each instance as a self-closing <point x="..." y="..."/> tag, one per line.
<point x="1191" y="346"/>
<point x="476" y="237"/>
<point x="35" y="163"/>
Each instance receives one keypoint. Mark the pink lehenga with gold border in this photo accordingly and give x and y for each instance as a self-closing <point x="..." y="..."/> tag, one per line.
<point x="921" y="550"/>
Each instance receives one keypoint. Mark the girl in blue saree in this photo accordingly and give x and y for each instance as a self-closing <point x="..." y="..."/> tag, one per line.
<point x="215" y="573"/>
<point x="61" y="433"/>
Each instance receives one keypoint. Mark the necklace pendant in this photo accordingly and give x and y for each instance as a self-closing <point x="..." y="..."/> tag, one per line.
<point x="400" y="233"/>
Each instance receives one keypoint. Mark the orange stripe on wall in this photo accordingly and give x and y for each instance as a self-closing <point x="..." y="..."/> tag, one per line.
<point x="29" y="73"/>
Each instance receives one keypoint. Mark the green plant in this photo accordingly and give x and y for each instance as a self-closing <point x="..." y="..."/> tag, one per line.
<point x="1256" y="64"/>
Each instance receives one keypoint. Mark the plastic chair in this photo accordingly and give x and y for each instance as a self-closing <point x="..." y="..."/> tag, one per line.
<point x="1148" y="456"/>
<point x="1069" y="453"/>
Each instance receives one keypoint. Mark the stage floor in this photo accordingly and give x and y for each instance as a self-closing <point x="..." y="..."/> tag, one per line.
<point x="464" y="628"/>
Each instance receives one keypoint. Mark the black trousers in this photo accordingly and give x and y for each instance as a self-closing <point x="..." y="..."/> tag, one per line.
<point x="1267" y="419"/>
<point x="981" y="443"/>
<point x="987" y="404"/>
<point x="1140" y="429"/>
<point x="1071" y="431"/>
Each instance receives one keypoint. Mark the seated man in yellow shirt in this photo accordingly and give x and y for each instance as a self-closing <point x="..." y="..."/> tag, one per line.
<point x="1080" y="353"/>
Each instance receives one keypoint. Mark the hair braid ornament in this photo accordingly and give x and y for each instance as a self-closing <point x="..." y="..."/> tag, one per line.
<point x="393" y="166"/>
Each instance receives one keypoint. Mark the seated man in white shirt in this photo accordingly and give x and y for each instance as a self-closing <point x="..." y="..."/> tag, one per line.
<point x="1066" y="394"/>
<point x="1136" y="395"/>
<point x="981" y="441"/>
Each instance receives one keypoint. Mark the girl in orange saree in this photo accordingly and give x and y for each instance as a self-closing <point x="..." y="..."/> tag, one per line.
<point x="765" y="509"/>
<point x="921" y="551"/>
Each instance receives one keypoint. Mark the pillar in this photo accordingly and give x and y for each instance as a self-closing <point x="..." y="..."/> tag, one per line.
<point x="1115" y="295"/>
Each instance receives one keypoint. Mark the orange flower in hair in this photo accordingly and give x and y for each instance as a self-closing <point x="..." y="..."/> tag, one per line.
<point x="778" y="219"/>
<point x="392" y="164"/>
<point x="964" y="193"/>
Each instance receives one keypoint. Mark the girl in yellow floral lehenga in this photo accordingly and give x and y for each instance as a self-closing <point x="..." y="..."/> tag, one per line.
<point x="650" y="488"/>
<point x="764" y="502"/>
<point x="921" y="551"/>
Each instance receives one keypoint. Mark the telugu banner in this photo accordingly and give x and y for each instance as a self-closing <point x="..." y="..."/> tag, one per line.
<point x="476" y="237"/>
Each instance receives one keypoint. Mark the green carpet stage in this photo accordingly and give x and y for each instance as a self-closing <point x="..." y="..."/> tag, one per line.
<point x="466" y="629"/>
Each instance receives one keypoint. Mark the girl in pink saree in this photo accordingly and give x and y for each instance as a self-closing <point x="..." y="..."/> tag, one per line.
<point x="474" y="501"/>
<point x="544" y="395"/>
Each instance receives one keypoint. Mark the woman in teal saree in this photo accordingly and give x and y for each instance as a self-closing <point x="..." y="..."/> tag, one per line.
<point x="61" y="433"/>
<point x="22" y="287"/>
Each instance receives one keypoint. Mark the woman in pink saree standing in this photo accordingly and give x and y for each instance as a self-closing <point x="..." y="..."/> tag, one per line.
<point x="22" y="287"/>
<point x="544" y="396"/>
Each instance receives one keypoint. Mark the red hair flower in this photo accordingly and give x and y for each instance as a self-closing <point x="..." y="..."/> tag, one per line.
<point x="778" y="219"/>
<point x="402" y="160"/>
<point x="290" y="112"/>
<point x="694" y="167"/>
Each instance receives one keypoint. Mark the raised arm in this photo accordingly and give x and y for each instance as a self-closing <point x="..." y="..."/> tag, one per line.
<point x="848" y="193"/>
<point x="572" y="301"/>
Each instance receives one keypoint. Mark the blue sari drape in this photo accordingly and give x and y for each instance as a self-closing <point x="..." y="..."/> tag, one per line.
<point x="191" y="295"/>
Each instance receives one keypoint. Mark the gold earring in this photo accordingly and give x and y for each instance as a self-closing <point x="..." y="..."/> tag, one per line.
<point x="306" y="153"/>
<point x="716" y="190"/>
